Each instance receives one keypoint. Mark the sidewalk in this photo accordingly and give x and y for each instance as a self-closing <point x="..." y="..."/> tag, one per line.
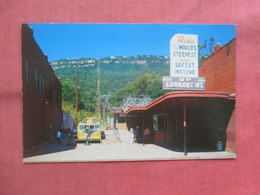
<point x="110" y="138"/>
<point x="121" y="152"/>
<point x="117" y="147"/>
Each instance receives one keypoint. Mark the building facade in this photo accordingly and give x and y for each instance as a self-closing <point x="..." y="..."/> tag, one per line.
<point x="42" y="114"/>
<point x="219" y="71"/>
<point x="195" y="120"/>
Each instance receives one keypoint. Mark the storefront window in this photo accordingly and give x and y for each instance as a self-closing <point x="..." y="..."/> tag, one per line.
<point x="155" y="123"/>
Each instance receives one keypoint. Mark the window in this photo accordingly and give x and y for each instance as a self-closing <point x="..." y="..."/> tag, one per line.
<point x="40" y="83"/>
<point x="96" y="127"/>
<point x="95" y="121"/>
<point x="26" y="72"/>
<point x="84" y="121"/>
<point x="43" y="87"/>
<point x="155" y="123"/>
<point x="54" y="96"/>
<point x="82" y="127"/>
<point x="36" y="80"/>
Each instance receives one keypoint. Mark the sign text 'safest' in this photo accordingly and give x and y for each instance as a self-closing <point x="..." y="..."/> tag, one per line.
<point x="184" y="56"/>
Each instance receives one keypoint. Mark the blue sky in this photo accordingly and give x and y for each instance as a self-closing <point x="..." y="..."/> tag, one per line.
<point x="70" y="41"/>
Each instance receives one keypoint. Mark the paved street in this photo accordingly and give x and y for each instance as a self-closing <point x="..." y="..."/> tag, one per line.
<point x="116" y="147"/>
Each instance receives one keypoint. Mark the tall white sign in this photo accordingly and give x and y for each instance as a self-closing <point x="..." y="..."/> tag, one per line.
<point x="184" y="55"/>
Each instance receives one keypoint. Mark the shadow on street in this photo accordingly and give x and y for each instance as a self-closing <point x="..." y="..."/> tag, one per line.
<point x="48" y="149"/>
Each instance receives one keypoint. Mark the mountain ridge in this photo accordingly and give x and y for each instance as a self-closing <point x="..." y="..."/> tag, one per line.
<point x="144" y="60"/>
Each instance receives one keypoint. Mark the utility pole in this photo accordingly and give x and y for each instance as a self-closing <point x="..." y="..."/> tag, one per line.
<point x="185" y="128"/>
<point x="98" y="82"/>
<point x="98" y="87"/>
<point x="103" y="104"/>
<point x="89" y="103"/>
<point x="76" y="78"/>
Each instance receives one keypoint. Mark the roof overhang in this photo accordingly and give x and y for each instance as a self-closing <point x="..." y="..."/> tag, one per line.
<point x="115" y="111"/>
<point x="176" y="98"/>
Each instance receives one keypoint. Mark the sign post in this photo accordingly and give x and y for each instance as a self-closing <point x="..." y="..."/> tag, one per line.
<point x="184" y="71"/>
<point x="184" y="55"/>
<point x="185" y="129"/>
<point x="183" y="64"/>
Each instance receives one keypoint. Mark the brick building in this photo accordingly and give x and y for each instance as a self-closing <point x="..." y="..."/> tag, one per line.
<point x="42" y="114"/>
<point x="219" y="71"/>
<point x="193" y="120"/>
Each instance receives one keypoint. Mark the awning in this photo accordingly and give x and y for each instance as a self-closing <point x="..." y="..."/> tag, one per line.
<point x="173" y="99"/>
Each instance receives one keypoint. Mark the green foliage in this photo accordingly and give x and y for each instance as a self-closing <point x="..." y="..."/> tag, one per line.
<point x="212" y="45"/>
<point x="154" y="89"/>
<point x="69" y="108"/>
<point x="115" y="74"/>
<point x="68" y="91"/>
<point x="83" y="114"/>
<point x="119" y="77"/>
<point x="86" y="104"/>
<point x="148" y="84"/>
<point x="206" y="50"/>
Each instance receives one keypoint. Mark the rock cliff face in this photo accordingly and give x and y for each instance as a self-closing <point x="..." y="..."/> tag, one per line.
<point x="142" y="60"/>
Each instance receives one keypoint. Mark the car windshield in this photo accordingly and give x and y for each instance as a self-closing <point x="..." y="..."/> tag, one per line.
<point x="82" y="127"/>
<point x="96" y="127"/>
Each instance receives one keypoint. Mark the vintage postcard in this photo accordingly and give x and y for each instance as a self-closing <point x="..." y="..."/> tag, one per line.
<point x="128" y="92"/>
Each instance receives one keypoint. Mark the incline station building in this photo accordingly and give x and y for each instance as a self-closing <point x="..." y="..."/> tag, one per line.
<point x="194" y="121"/>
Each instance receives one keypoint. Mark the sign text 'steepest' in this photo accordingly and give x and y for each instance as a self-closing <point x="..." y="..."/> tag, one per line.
<point x="173" y="83"/>
<point x="184" y="55"/>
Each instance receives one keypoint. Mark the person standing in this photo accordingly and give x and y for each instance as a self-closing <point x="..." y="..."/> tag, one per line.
<point x="74" y="131"/>
<point x="132" y="131"/>
<point x="147" y="133"/>
<point x="61" y="128"/>
<point x="138" y="134"/>
<point x="58" y="137"/>
<point x="62" y="133"/>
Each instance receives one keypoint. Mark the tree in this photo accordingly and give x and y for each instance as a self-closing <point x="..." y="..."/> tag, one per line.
<point x="148" y="84"/>
<point x="212" y="44"/>
<point x="206" y="50"/>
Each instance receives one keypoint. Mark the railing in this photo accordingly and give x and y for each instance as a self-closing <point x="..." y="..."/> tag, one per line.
<point x="117" y="134"/>
<point x="136" y="101"/>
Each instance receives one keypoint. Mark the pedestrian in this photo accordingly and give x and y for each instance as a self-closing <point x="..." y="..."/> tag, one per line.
<point x="62" y="132"/>
<point x="58" y="137"/>
<point x="61" y="128"/>
<point x="74" y="130"/>
<point x="147" y="133"/>
<point x="69" y="136"/>
<point x="138" y="134"/>
<point x="132" y="131"/>
<point x="74" y="133"/>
